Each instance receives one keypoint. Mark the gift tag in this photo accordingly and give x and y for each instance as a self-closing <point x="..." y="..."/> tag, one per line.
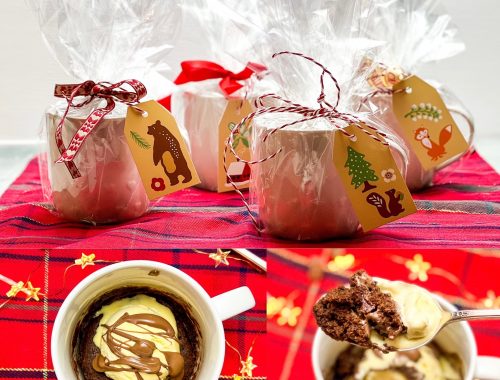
<point x="374" y="185"/>
<point x="427" y="123"/>
<point x="236" y="110"/>
<point x="159" y="151"/>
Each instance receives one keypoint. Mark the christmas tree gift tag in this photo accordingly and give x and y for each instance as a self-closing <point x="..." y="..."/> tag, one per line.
<point x="427" y="122"/>
<point x="374" y="185"/>
<point x="159" y="151"/>
<point x="236" y="110"/>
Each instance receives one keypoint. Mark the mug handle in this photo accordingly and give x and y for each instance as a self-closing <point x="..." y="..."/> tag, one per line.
<point x="472" y="131"/>
<point x="234" y="302"/>
<point x="488" y="368"/>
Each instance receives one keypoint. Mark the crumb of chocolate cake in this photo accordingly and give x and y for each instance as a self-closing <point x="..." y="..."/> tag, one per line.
<point x="347" y="363"/>
<point x="350" y="313"/>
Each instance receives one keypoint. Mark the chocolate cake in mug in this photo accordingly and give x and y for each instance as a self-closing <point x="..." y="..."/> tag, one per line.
<point x="137" y="333"/>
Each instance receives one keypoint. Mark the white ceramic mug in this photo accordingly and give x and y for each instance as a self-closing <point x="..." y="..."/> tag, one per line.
<point x="208" y="312"/>
<point x="200" y="114"/>
<point x="455" y="338"/>
<point x="299" y="192"/>
<point x="109" y="189"/>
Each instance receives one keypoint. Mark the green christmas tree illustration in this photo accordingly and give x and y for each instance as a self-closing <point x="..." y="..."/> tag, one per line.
<point x="360" y="170"/>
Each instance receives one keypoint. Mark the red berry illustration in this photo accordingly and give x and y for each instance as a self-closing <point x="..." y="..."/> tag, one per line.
<point x="158" y="184"/>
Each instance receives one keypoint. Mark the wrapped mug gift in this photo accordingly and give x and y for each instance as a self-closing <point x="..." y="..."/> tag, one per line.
<point x="88" y="173"/>
<point x="306" y="187"/>
<point x="424" y="34"/>
<point x="109" y="188"/>
<point x="207" y="108"/>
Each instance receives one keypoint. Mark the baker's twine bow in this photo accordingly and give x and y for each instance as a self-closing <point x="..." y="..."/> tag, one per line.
<point x="326" y="110"/>
<point x="103" y="90"/>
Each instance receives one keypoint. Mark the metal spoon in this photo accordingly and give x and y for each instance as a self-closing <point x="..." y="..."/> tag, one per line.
<point x="451" y="317"/>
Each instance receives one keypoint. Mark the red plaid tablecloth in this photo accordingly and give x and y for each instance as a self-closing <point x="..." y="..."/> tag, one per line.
<point x="26" y="326"/>
<point x="467" y="279"/>
<point x="463" y="210"/>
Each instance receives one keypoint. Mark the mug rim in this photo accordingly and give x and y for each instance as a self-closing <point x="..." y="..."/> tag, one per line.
<point x="471" y="341"/>
<point x="58" y="368"/>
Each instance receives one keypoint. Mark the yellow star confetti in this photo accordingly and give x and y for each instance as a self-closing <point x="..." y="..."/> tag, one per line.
<point x="275" y="305"/>
<point x="341" y="263"/>
<point x="418" y="268"/>
<point x="492" y="301"/>
<point x="289" y="316"/>
<point x="247" y="366"/>
<point x="220" y="257"/>
<point x="16" y="288"/>
<point x="31" y="292"/>
<point x="237" y="377"/>
<point x="85" y="260"/>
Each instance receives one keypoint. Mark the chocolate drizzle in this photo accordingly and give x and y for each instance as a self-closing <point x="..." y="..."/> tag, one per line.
<point x="143" y="360"/>
<point x="84" y="350"/>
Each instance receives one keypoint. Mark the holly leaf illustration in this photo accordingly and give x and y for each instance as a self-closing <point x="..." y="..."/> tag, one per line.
<point x="140" y="141"/>
<point x="236" y="142"/>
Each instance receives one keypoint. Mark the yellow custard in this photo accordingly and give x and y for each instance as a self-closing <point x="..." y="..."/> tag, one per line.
<point x="137" y="330"/>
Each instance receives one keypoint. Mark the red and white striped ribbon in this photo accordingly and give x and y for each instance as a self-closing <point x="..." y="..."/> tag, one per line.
<point x="103" y="90"/>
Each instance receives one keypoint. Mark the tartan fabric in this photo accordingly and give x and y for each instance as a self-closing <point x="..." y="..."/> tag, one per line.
<point x="462" y="210"/>
<point x="25" y="326"/>
<point x="467" y="279"/>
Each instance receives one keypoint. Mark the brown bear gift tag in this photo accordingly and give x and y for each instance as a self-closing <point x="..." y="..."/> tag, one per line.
<point x="236" y="110"/>
<point x="427" y="122"/>
<point x="374" y="185"/>
<point x="159" y="151"/>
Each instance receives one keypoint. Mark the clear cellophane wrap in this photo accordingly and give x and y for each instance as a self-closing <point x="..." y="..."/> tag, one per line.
<point x="230" y="38"/>
<point x="298" y="194"/>
<point x="414" y="33"/>
<point x="102" y="41"/>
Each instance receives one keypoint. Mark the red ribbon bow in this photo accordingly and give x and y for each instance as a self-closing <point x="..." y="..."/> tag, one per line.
<point x="197" y="71"/>
<point x="104" y="90"/>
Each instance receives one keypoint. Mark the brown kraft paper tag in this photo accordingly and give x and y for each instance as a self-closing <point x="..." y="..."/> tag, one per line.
<point x="427" y="123"/>
<point x="374" y="185"/>
<point x="159" y="151"/>
<point x="236" y="110"/>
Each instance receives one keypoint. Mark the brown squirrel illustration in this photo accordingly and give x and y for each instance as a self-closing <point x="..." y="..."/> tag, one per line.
<point x="165" y="141"/>
<point x="393" y="208"/>
<point x="434" y="150"/>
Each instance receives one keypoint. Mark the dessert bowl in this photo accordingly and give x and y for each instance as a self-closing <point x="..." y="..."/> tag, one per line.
<point x="207" y="312"/>
<point x="455" y="339"/>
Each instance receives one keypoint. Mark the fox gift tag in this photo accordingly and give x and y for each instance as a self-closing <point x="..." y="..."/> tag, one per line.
<point x="427" y="123"/>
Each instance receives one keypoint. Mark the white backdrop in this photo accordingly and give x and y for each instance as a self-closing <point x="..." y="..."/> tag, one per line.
<point x="29" y="72"/>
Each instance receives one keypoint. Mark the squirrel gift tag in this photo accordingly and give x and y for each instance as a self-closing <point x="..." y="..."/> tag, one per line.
<point x="159" y="151"/>
<point x="427" y="123"/>
<point x="374" y="184"/>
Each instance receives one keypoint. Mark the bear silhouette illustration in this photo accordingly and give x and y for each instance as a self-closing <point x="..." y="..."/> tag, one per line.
<point x="165" y="142"/>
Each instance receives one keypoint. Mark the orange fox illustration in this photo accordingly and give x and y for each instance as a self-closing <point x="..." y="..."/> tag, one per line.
<point x="434" y="150"/>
